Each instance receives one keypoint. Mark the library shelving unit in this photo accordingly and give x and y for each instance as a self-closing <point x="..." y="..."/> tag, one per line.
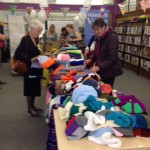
<point x="134" y="45"/>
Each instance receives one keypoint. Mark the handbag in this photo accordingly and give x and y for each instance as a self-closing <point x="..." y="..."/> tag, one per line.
<point x="19" y="65"/>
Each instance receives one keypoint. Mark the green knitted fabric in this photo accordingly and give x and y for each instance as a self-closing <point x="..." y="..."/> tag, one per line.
<point x="75" y="110"/>
<point x="127" y="108"/>
<point x="137" y="108"/>
<point x="74" y="51"/>
<point x="66" y="100"/>
<point x="117" y="101"/>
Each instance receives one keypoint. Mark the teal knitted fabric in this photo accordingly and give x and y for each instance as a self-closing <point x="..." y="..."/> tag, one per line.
<point x="95" y="105"/>
<point x="121" y="119"/>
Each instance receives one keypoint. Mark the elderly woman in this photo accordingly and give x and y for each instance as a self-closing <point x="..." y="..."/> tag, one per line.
<point x="32" y="79"/>
<point x="105" y="59"/>
<point x="74" y="36"/>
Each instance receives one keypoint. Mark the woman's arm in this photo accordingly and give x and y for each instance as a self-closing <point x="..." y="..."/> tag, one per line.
<point x="2" y="37"/>
<point x="78" y="37"/>
<point x="56" y="37"/>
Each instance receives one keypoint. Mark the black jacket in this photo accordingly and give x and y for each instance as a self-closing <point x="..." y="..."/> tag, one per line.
<point x="25" y="51"/>
<point x="107" y="59"/>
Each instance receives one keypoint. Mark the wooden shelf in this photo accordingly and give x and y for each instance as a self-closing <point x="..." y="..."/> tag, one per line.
<point x="131" y="44"/>
<point x="145" y="58"/>
<point x="139" y="47"/>
<point x="120" y="51"/>
<point x="131" y="54"/>
<point x="145" y="35"/>
<point x="130" y="66"/>
<point x="128" y="34"/>
<point x="128" y="53"/>
<point x="144" y="72"/>
<point x="121" y="34"/>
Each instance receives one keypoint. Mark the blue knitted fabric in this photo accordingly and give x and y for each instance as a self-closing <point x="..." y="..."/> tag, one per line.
<point x="81" y="94"/>
<point x="121" y="119"/>
<point x="140" y="121"/>
<point x="99" y="132"/>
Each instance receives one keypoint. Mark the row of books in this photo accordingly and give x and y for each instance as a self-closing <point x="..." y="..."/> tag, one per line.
<point x="121" y="38"/>
<point x="134" y="30"/>
<point x="147" y="30"/>
<point x="131" y="59"/>
<point x="132" y="49"/>
<point x="134" y="60"/>
<point x="120" y="29"/>
<point x="130" y="39"/>
<point x="144" y="52"/>
<point x="145" y="64"/>
<point x="121" y="47"/>
<point x="133" y="40"/>
<point x="146" y="41"/>
<point x="120" y="55"/>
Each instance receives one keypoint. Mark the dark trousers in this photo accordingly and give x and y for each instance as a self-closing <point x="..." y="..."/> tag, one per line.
<point x="109" y="81"/>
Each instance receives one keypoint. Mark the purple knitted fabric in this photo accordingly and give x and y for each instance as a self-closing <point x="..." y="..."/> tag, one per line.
<point x="130" y="100"/>
<point x="74" y="131"/>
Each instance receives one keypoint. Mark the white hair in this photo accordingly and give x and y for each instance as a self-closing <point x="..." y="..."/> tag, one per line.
<point x="35" y="23"/>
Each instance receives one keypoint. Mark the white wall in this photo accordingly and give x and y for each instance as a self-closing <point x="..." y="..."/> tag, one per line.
<point x="54" y="15"/>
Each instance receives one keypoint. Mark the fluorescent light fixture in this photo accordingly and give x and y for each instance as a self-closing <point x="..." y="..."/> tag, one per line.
<point x="79" y="2"/>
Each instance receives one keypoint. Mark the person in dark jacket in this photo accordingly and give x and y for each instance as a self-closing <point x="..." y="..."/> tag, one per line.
<point x="32" y="79"/>
<point x="105" y="58"/>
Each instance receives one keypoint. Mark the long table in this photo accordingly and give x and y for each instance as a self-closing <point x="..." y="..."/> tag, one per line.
<point x="132" y="143"/>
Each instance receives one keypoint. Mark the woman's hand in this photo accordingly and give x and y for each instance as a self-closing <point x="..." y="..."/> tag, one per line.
<point x="34" y="58"/>
<point x="70" y="40"/>
<point x="63" y="40"/>
<point x="3" y="37"/>
<point x="94" y="68"/>
<point x="87" y="61"/>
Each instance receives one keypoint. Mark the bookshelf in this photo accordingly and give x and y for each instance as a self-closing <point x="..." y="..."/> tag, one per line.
<point x="134" y="45"/>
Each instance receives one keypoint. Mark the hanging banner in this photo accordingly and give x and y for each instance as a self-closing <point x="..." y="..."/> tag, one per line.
<point x="47" y="11"/>
<point x="91" y="16"/>
<point x="123" y="6"/>
<point x="144" y="4"/>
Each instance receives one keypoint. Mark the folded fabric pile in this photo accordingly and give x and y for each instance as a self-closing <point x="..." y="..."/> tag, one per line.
<point x="76" y="59"/>
<point x="91" y="79"/>
<point x="75" y="54"/>
<point x="49" y="63"/>
<point x="69" y="47"/>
